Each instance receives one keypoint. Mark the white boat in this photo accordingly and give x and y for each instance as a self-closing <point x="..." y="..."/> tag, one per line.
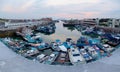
<point x="85" y="55"/>
<point x="96" y="48"/>
<point x="63" y="48"/>
<point x="108" y="48"/>
<point x="30" y="53"/>
<point x="75" y="56"/>
<point x="42" y="57"/>
<point x="54" y="46"/>
<point x="51" y="58"/>
<point x="92" y="51"/>
<point x="36" y="37"/>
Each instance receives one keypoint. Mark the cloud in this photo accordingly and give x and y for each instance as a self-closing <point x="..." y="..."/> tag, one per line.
<point x="59" y="8"/>
<point x="18" y="7"/>
<point x="79" y="15"/>
<point x="67" y="2"/>
<point x="27" y="5"/>
<point x="7" y="8"/>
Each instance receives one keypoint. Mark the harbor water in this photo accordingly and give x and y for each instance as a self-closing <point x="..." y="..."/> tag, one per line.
<point x="62" y="33"/>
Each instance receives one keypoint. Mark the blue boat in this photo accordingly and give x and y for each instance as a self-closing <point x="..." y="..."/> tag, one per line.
<point x="93" y="41"/>
<point x="40" y="46"/>
<point x="43" y="46"/>
<point x="69" y="42"/>
<point x="85" y="55"/>
<point x="33" y="39"/>
<point x="82" y="41"/>
<point x="46" y="29"/>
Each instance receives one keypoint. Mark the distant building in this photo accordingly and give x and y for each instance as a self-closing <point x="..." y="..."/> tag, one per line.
<point x="88" y="22"/>
<point x="108" y="22"/>
<point x="2" y="24"/>
<point x="116" y="23"/>
<point x="97" y="21"/>
<point x="46" y="20"/>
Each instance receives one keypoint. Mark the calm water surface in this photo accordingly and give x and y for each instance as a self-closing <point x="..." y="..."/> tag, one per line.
<point x="62" y="33"/>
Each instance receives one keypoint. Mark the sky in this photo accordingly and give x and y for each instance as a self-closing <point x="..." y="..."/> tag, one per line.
<point x="64" y="9"/>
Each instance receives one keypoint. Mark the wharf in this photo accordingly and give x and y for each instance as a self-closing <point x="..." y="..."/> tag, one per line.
<point x="11" y="62"/>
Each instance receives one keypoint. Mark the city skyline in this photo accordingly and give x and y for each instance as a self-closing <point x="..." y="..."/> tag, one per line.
<point x="59" y="9"/>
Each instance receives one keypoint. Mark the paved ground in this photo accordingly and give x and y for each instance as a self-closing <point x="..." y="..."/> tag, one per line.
<point x="11" y="62"/>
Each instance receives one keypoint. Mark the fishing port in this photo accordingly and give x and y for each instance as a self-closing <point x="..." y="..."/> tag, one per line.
<point x="59" y="36"/>
<point x="51" y="42"/>
<point x="82" y="42"/>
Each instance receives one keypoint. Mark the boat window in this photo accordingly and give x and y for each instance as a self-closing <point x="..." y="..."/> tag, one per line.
<point x="73" y="50"/>
<point x="76" y="54"/>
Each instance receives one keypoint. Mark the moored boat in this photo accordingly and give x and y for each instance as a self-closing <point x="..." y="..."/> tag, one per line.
<point x="51" y="58"/>
<point x="40" y="46"/>
<point x="85" y="55"/>
<point x="92" y="52"/>
<point x="31" y="52"/>
<point x="75" y="56"/>
<point x="108" y="48"/>
<point x="42" y="57"/>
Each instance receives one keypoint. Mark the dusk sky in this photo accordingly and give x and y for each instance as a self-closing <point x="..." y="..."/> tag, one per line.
<point x="60" y="9"/>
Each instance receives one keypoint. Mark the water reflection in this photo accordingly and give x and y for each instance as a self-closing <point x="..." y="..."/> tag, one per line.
<point x="62" y="33"/>
<point x="71" y="28"/>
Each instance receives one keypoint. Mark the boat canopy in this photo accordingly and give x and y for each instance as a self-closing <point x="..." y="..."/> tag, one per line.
<point x="63" y="48"/>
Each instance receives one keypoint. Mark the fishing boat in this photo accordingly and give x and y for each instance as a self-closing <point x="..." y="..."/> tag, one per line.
<point x="40" y="46"/>
<point x="92" y="51"/>
<point x="15" y="45"/>
<point x="82" y="41"/>
<point x="69" y="42"/>
<point x="85" y="55"/>
<point x="105" y="50"/>
<point x="68" y="24"/>
<point x="61" y="58"/>
<point x="95" y="47"/>
<point x="42" y="57"/>
<point x="113" y="43"/>
<point x="46" y="29"/>
<point x="75" y="56"/>
<point x="54" y="46"/>
<point x="108" y="48"/>
<point x="24" y="31"/>
<point x="51" y="58"/>
<point x="31" y="52"/>
<point x="59" y="46"/>
<point x="63" y="48"/>
<point x="88" y="30"/>
<point x="100" y="46"/>
<point x="33" y="38"/>
<point x="58" y="42"/>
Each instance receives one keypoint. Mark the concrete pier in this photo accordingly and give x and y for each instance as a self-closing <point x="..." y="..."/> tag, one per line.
<point x="11" y="62"/>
